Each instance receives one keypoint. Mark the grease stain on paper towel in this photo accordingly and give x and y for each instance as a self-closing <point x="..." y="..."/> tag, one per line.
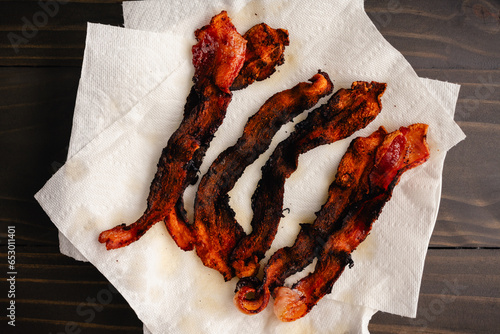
<point x="300" y="326"/>
<point x="212" y="295"/>
<point x="169" y="257"/>
<point x="83" y="217"/>
<point x="366" y="250"/>
<point x="75" y="170"/>
<point x="190" y="324"/>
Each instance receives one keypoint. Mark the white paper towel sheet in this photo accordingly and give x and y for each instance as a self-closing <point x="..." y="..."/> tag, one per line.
<point x="130" y="99"/>
<point x="120" y="66"/>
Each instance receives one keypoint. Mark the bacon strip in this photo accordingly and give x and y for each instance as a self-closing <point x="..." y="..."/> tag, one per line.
<point x="265" y="50"/>
<point x="217" y="231"/>
<point x="365" y="178"/>
<point x="347" y="111"/>
<point x="217" y="58"/>
<point x="287" y="261"/>
<point x="400" y="151"/>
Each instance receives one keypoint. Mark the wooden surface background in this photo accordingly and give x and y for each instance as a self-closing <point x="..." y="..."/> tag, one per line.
<point x="451" y="40"/>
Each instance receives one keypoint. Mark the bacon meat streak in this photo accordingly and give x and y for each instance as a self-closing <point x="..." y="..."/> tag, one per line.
<point x="347" y="111"/>
<point x="217" y="58"/>
<point x="215" y="226"/>
<point x="400" y="151"/>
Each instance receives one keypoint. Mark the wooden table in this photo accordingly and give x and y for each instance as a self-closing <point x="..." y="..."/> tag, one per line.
<point x="456" y="41"/>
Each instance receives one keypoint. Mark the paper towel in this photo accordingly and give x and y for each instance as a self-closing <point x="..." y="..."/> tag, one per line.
<point x="106" y="182"/>
<point x="321" y="36"/>
<point x="120" y="66"/>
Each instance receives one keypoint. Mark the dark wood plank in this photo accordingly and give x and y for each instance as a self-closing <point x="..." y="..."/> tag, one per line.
<point x="40" y="34"/>
<point x="469" y="214"/>
<point x="444" y="34"/>
<point x="455" y="41"/>
<point x="459" y="294"/>
<point x="452" y="35"/>
<point x="53" y="291"/>
<point x="36" y="110"/>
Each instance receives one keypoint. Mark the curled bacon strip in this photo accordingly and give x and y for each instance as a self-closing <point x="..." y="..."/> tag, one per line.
<point x="289" y="260"/>
<point x="400" y="151"/>
<point x="217" y="58"/>
<point x="347" y="111"/>
<point x="217" y="231"/>
<point x="366" y="178"/>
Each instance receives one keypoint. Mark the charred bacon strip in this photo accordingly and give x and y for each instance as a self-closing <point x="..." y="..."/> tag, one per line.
<point x="217" y="58"/>
<point x="216" y="229"/>
<point x="265" y="50"/>
<point x="347" y="111"/>
<point x="287" y="261"/>
<point x="265" y="47"/>
<point x="400" y="151"/>
<point x="271" y="53"/>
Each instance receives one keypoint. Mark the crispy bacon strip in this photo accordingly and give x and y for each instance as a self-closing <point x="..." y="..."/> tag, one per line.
<point x="265" y="47"/>
<point x="400" y="151"/>
<point x="364" y="181"/>
<point x="287" y="261"/>
<point x="217" y="231"/>
<point x="215" y="64"/>
<point x="347" y="111"/>
<point x="217" y="58"/>
<point x="265" y="50"/>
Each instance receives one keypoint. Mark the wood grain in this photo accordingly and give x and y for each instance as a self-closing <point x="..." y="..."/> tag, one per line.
<point x="451" y="34"/>
<point x="53" y="291"/>
<point x="35" y="35"/>
<point x="459" y="294"/>
<point x="36" y="110"/>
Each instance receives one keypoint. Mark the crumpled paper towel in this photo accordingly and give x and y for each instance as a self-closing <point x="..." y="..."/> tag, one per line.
<point x="106" y="178"/>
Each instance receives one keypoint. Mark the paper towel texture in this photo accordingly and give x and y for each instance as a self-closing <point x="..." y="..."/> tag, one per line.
<point x="106" y="178"/>
<point x="120" y="66"/>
